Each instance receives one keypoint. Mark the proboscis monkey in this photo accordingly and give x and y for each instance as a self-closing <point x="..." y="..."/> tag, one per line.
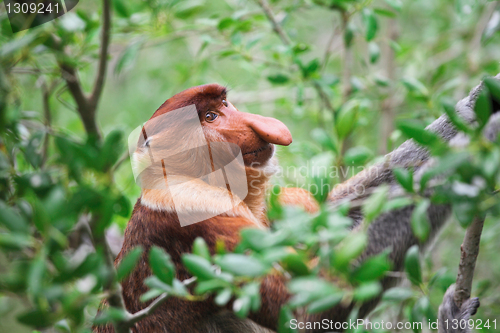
<point x="176" y="206"/>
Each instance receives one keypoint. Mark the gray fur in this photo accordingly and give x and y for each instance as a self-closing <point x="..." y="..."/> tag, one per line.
<point x="451" y="318"/>
<point x="392" y="229"/>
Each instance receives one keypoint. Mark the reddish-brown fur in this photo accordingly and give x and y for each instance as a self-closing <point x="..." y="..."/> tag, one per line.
<point x="148" y="227"/>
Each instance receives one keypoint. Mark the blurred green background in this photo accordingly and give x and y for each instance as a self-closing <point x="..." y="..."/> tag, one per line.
<point x="422" y="52"/>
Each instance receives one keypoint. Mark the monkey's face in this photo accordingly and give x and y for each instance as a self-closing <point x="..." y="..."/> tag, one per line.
<point x="172" y="131"/>
<point x="255" y="135"/>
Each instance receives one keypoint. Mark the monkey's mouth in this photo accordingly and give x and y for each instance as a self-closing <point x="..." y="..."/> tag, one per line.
<point x="264" y="147"/>
<point x="259" y="156"/>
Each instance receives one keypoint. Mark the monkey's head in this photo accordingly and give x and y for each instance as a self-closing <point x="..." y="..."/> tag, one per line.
<point x="173" y="126"/>
<point x="197" y="133"/>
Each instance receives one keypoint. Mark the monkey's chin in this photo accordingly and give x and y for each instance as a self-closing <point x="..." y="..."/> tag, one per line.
<point x="259" y="158"/>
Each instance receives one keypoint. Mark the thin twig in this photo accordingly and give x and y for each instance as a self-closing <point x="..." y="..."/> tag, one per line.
<point x="389" y="103"/>
<point x="87" y="105"/>
<point x="276" y="26"/>
<point x="288" y="42"/>
<point x="134" y="318"/>
<point x="347" y="57"/>
<point x="103" y="54"/>
<point x="122" y="159"/>
<point x="469" y="251"/>
<point x="110" y="286"/>
<point x="328" y="48"/>
<point x="46" y="92"/>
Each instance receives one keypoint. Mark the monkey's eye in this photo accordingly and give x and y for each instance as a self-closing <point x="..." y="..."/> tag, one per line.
<point x="210" y="116"/>
<point x="224" y="102"/>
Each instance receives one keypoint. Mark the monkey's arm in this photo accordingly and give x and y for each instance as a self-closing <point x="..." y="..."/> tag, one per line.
<point x="450" y="316"/>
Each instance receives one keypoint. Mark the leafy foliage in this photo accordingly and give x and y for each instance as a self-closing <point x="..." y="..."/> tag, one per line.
<point x="385" y="61"/>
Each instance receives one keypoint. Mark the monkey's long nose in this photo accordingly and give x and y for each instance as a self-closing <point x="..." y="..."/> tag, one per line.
<point x="269" y="129"/>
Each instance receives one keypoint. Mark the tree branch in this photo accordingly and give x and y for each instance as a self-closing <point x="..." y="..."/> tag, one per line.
<point x="276" y="26"/>
<point x="288" y="42"/>
<point x="110" y="285"/>
<point x="103" y="54"/>
<point x="469" y="251"/>
<point x="389" y="103"/>
<point x="46" y="92"/>
<point x="347" y="57"/>
<point x="134" y="318"/>
<point x="87" y="105"/>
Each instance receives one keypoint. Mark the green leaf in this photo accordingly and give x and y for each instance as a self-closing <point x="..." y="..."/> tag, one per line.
<point x="128" y="263"/>
<point x="223" y="297"/>
<point x="319" y="135"/>
<point x="418" y="133"/>
<point x="412" y="265"/>
<point x="278" y="78"/>
<point x="370" y="22"/>
<point x="367" y="291"/>
<point x="349" y="35"/>
<point x="358" y="155"/>
<point x="121" y="8"/>
<point x="12" y="220"/>
<point x="311" y="286"/>
<point x="493" y="86"/>
<point x="404" y="178"/>
<point x="416" y="87"/>
<point x="373" y="268"/>
<point x="295" y="264"/>
<point x="240" y="264"/>
<point x="204" y="287"/>
<point x="385" y="12"/>
<point x="374" y="52"/>
<point x="395" y="4"/>
<point x="186" y="9"/>
<point x="17" y="44"/>
<point x="161" y="265"/>
<point x="225" y="23"/>
<point x="285" y="317"/>
<point x="464" y="212"/>
<point x="447" y="163"/>
<point x="13" y="241"/>
<point x="198" y="266"/>
<point x="325" y="303"/>
<point x="398" y="294"/>
<point x="374" y="204"/>
<point x="128" y="56"/>
<point x="492" y="27"/>
<point x="310" y="68"/>
<point x="150" y="294"/>
<point x="482" y="108"/>
<point x="36" y="318"/>
<point x="396" y="203"/>
<point x="382" y="80"/>
<point x="241" y="306"/>
<point x="36" y="274"/>
<point x="154" y="283"/>
<point x="420" y="222"/>
<point x="455" y="119"/>
<point x="110" y="315"/>
<point x="346" y="118"/>
<point x="426" y="308"/>
<point x="179" y="289"/>
<point x="350" y="248"/>
<point x="200" y="248"/>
